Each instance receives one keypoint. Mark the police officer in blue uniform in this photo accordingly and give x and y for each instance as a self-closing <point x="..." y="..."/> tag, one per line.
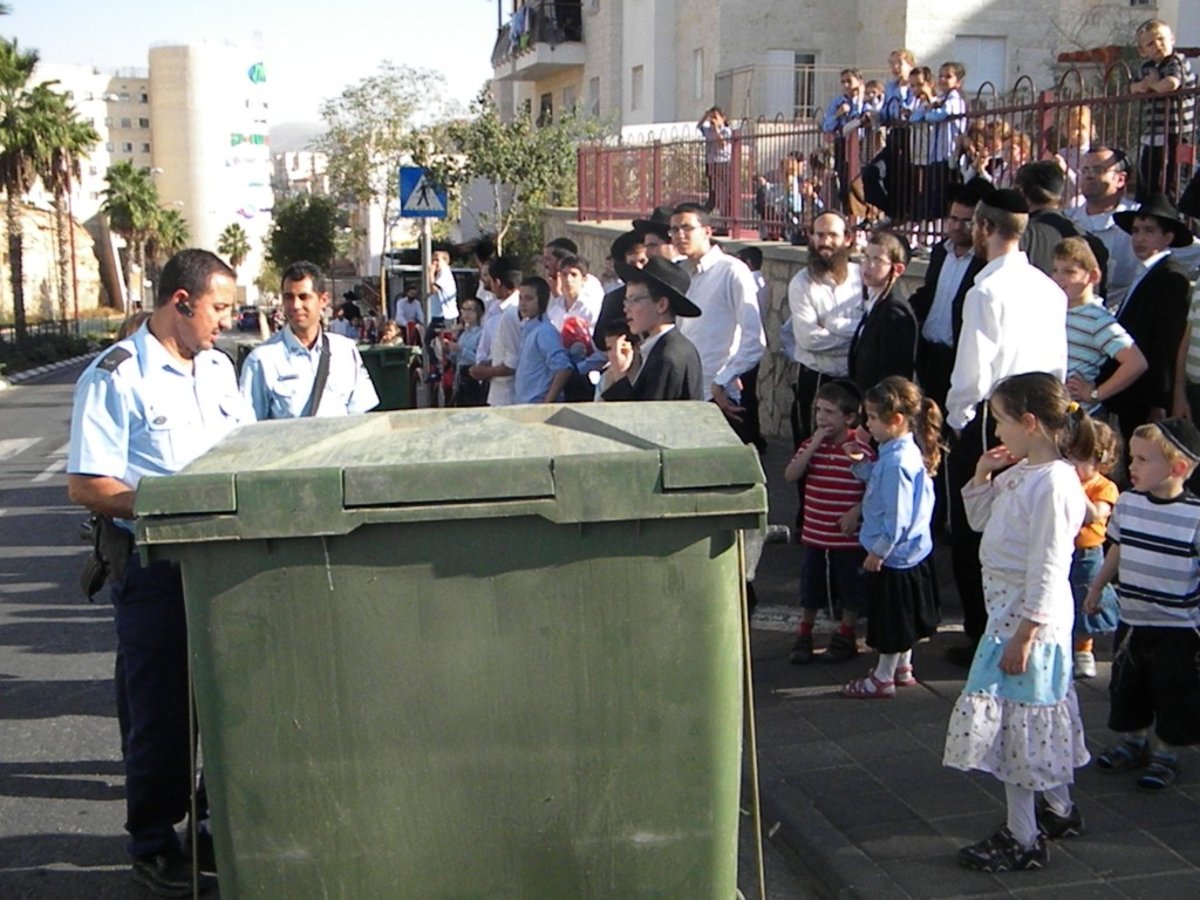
<point x="280" y="375"/>
<point x="148" y="406"/>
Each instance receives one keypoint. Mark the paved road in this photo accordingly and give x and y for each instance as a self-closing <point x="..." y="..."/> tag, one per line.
<point x="61" y="784"/>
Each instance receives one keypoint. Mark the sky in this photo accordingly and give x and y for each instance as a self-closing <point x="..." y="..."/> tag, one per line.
<point x="311" y="49"/>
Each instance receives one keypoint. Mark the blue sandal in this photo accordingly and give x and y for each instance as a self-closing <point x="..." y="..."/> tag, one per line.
<point x="1159" y="775"/>
<point x="1124" y="756"/>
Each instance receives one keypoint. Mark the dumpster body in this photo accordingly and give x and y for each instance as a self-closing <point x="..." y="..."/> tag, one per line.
<point x="510" y="668"/>
<point x="390" y="368"/>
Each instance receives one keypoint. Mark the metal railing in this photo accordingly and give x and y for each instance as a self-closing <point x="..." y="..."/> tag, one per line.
<point x="543" y="22"/>
<point x="781" y="174"/>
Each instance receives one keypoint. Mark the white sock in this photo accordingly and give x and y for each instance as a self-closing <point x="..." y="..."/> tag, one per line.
<point x="905" y="660"/>
<point x="1022" y="821"/>
<point x="885" y="669"/>
<point x="1059" y="799"/>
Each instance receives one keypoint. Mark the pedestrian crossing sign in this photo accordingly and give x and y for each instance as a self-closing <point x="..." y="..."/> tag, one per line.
<point x="420" y="196"/>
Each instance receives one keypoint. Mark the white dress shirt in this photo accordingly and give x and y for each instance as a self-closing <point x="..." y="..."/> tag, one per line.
<point x="505" y="349"/>
<point x="1014" y="321"/>
<point x="824" y="318"/>
<point x="728" y="333"/>
<point x="939" y="324"/>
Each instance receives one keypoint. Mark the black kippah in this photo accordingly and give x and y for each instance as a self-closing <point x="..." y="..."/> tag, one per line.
<point x="1007" y="200"/>
<point x="1182" y="434"/>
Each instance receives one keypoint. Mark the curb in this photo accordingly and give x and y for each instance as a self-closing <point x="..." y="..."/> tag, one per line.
<point x="837" y="867"/>
<point x="27" y="374"/>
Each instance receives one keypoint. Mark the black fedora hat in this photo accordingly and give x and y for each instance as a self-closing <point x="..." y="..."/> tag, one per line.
<point x="1157" y="206"/>
<point x="666" y="279"/>
<point x="659" y="223"/>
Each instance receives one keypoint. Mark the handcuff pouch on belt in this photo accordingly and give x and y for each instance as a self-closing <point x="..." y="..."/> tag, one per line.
<point x="111" y="546"/>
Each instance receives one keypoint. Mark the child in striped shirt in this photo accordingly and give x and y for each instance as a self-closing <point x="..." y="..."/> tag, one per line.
<point x="1155" y="559"/>
<point x="1094" y="336"/>
<point x="831" y="562"/>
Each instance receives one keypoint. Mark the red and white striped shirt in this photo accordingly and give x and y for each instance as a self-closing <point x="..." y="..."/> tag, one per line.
<point x="830" y="489"/>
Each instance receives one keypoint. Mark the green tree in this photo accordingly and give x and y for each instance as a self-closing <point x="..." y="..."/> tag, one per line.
<point x="26" y="125"/>
<point x="168" y="235"/>
<point x="131" y="205"/>
<point x="234" y="245"/>
<point x="72" y="139"/>
<point x="305" y="228"/>
<point x="528" y="166"/>
<point x="371" y="130"/>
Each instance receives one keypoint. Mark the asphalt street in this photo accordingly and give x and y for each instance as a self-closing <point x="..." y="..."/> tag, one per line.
<point x="61" y="783"/>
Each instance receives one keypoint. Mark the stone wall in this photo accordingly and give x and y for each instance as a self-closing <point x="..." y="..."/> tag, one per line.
<point x="40" y="268"/>
<point x="777" y="373"/>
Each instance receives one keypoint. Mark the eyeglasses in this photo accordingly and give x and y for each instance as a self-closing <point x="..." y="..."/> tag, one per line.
<point x="637" y="298"/>
<point x="683" y="229"/>
<point x="876" y="261"/>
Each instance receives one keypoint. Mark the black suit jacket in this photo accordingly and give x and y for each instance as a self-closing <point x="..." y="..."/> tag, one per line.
<point x="921" y="300"/>
<point x="884" y="344"/>
<point x="1155" y="314"/>
<point x="671" y="371"/>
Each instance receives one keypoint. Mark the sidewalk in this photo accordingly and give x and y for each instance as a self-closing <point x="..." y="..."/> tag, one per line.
<point x="857" y="788"/>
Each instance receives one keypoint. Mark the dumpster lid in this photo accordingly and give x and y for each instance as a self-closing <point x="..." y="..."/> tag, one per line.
<point x="581" y="463"/>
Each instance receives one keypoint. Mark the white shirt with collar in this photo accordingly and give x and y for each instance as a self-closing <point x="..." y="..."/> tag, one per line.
<point x="1014" y="321"/>
<point x="491" y="322"/>
<point x="824" y="318"/>
<point x="1122" y="263"/>
<point x="505" y="350"/>
<point x="939" y="324"/>
<point x="558" y="311"/>
<point x="645" y="347"/>
<point x="728" y="333"/>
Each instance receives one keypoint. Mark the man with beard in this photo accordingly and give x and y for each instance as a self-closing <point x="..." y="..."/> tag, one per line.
<point x="826" y="303"/>
<point x="728" y="334"/>
<point x="1102" y="176"/>
<point x="1014" y="321"/>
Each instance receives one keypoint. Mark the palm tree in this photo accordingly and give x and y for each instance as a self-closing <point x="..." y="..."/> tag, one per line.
<point x="25" y="122"/>
<point x="169" y="235"/>
<point x="131" y="204"/>
<point x="234" y="245"/>
<point x="72" y="139"/>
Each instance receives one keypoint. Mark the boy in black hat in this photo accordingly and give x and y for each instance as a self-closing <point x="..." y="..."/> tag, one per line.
<point x="1155" y="311"/>
<point x="1155" y="559"/>
<point x="666" y="365"/>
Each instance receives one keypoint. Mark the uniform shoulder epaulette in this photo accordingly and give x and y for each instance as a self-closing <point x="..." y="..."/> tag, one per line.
<point x="113" y="358"/>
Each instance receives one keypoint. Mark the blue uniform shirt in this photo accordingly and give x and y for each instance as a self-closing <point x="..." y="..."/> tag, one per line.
<point x="542" y="357"/>
<point x="148" y="414"/>
<point x="278" y="377"/>
<point x="898" y="505"/>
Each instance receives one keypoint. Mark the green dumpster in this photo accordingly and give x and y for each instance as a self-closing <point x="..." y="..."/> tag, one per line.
<point x="390" y="368"/>
<point x="468" y="653"/>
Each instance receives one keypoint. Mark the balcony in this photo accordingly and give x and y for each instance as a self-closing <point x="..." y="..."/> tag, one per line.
<point x="541" y="39"/>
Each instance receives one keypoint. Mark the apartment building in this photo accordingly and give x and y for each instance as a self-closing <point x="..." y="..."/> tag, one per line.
<point x="644" y="62"/>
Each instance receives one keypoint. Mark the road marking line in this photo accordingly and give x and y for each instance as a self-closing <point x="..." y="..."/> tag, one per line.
<point x="50" y="471"/>
<point x="11" y="447"/>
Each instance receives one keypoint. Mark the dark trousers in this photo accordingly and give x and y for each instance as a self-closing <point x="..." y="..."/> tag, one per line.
<point x="152" y="692"/>
<point x="1157" y="170"/>
<point x="749" y="429"/>
<point x="964" y="550"/>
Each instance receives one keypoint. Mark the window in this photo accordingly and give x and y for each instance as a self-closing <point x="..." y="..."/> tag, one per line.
<point x="143" y="123"/>
<point x="126" y="122"/>
<point x="569" y="98"/>
<point x="635" y="87"/>
<point x="108" y="120"/>
<point x="143" y="98"/>
<point x="698" y="73"/>
<point x="127" y="147"/>
<point x="93" y="170"/>
<point x="594" y="96"/>
<point x="546" y="109"/>
<point x="986" y="60"/>
<point x="146" y="147"/>
<point x="108" y="145"/>
<point x="123" y="96"/>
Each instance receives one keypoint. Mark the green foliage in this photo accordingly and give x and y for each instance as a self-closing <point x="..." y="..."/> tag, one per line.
<point x="234" y="244"/>
<point x="305" y="228"/>
<point x="169" y="234"/>
<point x="529" y="167"/>
<point x="131" y="205"/>
<point x="38" y="350"/>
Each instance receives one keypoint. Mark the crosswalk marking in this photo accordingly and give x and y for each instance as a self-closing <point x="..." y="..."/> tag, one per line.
<point x="59" y="463"/>
<point x="10" y="447"/>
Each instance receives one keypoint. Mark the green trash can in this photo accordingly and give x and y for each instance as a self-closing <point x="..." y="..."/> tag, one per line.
<point x="390" y="368"/>
<point x="468" y="653"/>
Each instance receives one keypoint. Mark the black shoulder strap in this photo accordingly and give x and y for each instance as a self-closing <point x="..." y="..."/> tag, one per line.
<point x="314" y="402"/>
<point x="113" y="358"/>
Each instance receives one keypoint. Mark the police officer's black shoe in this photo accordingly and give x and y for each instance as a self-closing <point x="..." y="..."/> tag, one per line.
<point x="167" y="874"/>
<point x="206" y="857"/>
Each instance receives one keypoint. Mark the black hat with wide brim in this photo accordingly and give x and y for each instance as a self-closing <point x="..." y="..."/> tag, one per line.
<point x="659" y="223"/>
<point x="665" y="279"/>
<point x="1157" y="206"/>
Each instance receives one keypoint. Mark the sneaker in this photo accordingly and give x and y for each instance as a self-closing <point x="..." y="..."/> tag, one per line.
<point x="1003" y="853"/>
<point x="166" y="874"/>
<point x="802" y="650"/>
<point x="1124" y="757"/>
<point x="1085" y="664"/>
<point x="1052" y="826"/>
<point x="842" y="648"/>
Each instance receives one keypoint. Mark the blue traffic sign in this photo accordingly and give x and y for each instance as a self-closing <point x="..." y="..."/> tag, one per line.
<point x="420" y="196"/>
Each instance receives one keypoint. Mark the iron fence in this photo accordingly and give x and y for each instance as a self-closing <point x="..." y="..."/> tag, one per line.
<point x="781" y="174"/>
